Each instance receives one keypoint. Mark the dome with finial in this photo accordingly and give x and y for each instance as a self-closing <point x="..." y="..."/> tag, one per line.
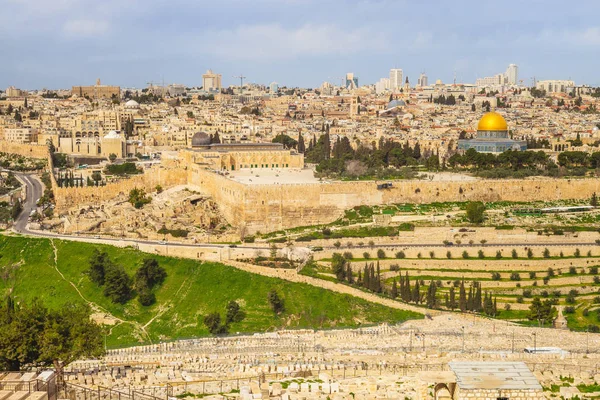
<point x="200" y="139"/>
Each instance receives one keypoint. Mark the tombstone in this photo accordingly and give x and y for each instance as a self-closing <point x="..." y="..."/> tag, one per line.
<point x="276" y="389"/>
<point x="304" y="387"/>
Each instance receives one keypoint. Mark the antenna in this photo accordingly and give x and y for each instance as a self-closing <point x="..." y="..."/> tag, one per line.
<point x="455" y="77"/>
<point x="241" y="78"/>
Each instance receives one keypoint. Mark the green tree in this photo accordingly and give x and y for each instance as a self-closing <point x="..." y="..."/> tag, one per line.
<point x="98" y="262"/>
<point x="117" y="284"/>
<point x="338" y="266"/>
<point x="149" y="274"/>
<point x="541" y="311"/>
<point x="394" y="290"/>
<point x="276" y="302"/>
<point x="475" y="212"/>
<point x="212" y="322"/>
<point x="137" y="197"/>
<point x="234" y="312"/>
<point x="112" y="157"/>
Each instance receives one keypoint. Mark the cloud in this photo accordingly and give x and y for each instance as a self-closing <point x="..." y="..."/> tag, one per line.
<point x="274" y="42"/>
<point x="77" y="28"/>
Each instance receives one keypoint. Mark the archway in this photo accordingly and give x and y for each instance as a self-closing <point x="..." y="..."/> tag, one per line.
<point x="444" y="391"/>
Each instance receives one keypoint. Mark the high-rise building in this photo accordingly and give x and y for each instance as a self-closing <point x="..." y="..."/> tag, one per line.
<point x="351" y="81"/>
<point x="422" y="81"/>
<point x="211" y="81"/>
<point x="396" y="78"/>
<point x="512" y="74"/>
<point x="273" y="87"/>
<point x="555" y="86"/>
<point x="382" y="86"/>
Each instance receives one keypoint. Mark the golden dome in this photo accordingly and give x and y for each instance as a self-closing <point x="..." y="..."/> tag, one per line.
<point x="492" y="121"/>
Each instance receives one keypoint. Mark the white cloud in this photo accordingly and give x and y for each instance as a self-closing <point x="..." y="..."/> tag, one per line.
<point x="85" y="27"/>
<point x="273" y="41"/>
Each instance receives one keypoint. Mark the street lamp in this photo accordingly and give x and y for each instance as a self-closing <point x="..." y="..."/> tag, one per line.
<point x="534" y="342"/>
<point x="463" y="339"/>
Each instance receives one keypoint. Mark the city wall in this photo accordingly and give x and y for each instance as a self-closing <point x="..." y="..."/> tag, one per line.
<point x="273" y="207"/>
<point x="26" y="150"/>
<point x="68" y="197"/>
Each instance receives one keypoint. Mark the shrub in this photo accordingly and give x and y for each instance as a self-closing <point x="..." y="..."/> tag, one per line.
<point x="480" y="254"/>
<point x="366" y="255"/>
<point x="146" y="297"/>
<point x="544" y="293"/>
<point x="400" y="254"/>
<point x="276" y="302"/>
<point x="348" y="255"/>
<point x="465" y="255"/>
<point x="596" y="279"/>
<point x="337" y="244"/>
<point x="527" y="293"/>
<point x="514" y="254"/>
<point x="546" y="253"/>
<point x="529" y="253"/>
<point x="371" y="243"/>
<point x="520" y="299"/>
<point x="234" y="313"/>
<point x="475" y="212"/>
<point x="507" y="307"/>
<point x="594" y="270"/>
<point x="585" y="312"/>
<point x="394" y="267"/>
<point x="212" y="322"/>
<point x="577" y="253"/>
<point x="556" y="293"/>
<point x="572" y="271"/>
<point x="448" y="254"/>
<point x="593" y="328"/>
<point x="137" y="197"/>
<point x="515" y="276"/>
<point x="380" y="253"/>
<point x="117" y="284"/>
<point x="562" y="255"/>
<point x="569" y="310"/>
<point x="532" y="275"/>
<point x="326" y="231"/>
<point x="498" y="255"/>
<point x="431" y="254"/>
<point x="419" y="255"/>
<point x="546" y="280"/>
<point x="496" y="276"/>
<point x="550" y="272"/>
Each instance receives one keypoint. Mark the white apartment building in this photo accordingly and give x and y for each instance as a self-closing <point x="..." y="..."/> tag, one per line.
<point x="396" y="75"/>
<point x="555" y="86"/>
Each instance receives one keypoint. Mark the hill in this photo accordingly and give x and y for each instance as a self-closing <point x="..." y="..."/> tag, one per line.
<point x="54" y="271"/>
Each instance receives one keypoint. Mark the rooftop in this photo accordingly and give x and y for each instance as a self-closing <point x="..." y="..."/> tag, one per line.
<point x="494" y="375"/>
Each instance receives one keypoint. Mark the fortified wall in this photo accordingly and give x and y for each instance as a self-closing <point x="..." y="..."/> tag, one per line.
<point x="69" y="196"/>
<point x="26" y="150"/>
<point x="273" y="207"/>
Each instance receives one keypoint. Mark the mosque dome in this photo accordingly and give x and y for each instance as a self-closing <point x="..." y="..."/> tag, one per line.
<point x="200" y="139"/>
<point x="132" y="104"/>
<point x="112" y="135"/>
<point x="492" y="121"/>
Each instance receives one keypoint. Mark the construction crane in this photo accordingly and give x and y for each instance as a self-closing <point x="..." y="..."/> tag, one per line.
<point x="241" y="78"/>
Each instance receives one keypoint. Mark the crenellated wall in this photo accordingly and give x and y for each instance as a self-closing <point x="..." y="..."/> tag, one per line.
<point x="272" y="207"/>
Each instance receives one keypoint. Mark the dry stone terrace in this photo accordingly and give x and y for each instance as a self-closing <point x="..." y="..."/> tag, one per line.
<point x="381" y="362"/>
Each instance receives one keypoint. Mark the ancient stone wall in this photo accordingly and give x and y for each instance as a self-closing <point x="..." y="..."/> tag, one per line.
<point x="68" y="197"/>
<point x="273" y="207"/>
<point x="26" y="150"/>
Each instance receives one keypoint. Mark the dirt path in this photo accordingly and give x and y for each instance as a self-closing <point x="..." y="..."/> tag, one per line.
<point x="100" y="312"/>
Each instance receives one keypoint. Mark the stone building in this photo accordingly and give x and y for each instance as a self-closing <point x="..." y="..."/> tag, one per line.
<point x="488" y="380"/>
<point x="236" y="156"/>
<point x="97" y="91"/>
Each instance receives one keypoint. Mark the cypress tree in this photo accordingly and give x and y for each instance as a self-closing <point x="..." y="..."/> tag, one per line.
<point x="366" y="280"/>
<point x="477" y="301"/>
<point x="452" y="300"/>
<point x="416" y="295"/>
<point x="407" y="290"/>
<point x="462" y="298"/>
<point x="349" y="275"/>
<point x="431" y="300"/>
<point x="394" y="292"/>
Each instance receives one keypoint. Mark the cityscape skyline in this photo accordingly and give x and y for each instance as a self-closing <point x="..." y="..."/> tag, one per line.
<point x="79" y="41"/>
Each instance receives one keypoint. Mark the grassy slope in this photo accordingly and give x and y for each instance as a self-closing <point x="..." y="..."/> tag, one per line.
<point x="191" y="290"/>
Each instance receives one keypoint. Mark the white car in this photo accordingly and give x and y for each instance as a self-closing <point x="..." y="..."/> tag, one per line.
<point x="163" y="242"/>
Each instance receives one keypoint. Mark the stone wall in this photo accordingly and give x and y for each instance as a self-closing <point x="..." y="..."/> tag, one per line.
<point x="26" y="150"/>
<point x="489" y="394"/>
<point x="68" y="197"/>
<point x="273" y="207"/>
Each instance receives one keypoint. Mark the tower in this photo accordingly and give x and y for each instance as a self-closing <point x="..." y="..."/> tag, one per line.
<point x="396" y="78"/>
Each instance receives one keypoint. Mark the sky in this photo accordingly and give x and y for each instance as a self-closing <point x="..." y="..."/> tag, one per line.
<point x="59" y="43"/>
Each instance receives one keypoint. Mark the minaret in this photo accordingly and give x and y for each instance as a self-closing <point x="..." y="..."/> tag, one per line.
<point x="406" y="86"/>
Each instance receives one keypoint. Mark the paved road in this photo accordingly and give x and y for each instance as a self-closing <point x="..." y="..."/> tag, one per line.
<point x="33" y="188"/>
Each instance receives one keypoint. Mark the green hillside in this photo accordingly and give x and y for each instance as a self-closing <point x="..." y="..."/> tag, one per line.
<point x="192" y="289"/>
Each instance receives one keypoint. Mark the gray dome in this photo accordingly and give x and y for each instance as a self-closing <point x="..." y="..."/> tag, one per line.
<point x="200" y="139"/>
<point x="396" y="103"/>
